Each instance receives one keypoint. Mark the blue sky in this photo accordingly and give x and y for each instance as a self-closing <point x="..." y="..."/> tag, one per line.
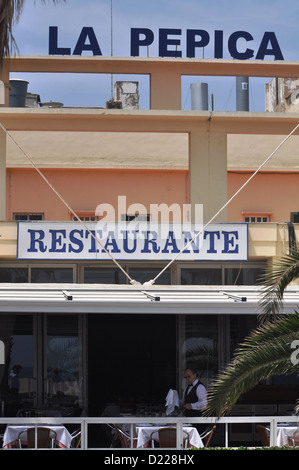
<point x="255" y="17"/>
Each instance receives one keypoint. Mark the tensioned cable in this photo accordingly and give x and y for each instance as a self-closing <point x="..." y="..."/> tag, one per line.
<point x="66" y="204"/>
<point x="223" y="207"/>
<point x="152" y="281"/>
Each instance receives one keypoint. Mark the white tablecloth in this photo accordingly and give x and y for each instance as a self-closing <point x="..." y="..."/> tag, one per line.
<point x="283" y="432"/>
<point x="144" y="435"/>
<point x="63" y="439"/>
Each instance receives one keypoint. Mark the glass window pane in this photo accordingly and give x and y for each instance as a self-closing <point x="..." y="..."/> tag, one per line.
<point x="13" y="274"/>
<point x="52" y="275"/>
<point x="200" y="346"/>
<point x="146" y="274"/>
<point x="64" y="373"/>
<point x="202" y="276"/>
<point x="243" y="276"/>
<point x="17" y="374"/>
<point x="103" y="276"/>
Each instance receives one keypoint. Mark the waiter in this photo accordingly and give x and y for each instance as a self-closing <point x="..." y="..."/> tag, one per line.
<point x="194" y="396"/>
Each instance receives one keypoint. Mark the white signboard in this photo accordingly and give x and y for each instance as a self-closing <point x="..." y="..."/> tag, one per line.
<point x="131" y="241"/>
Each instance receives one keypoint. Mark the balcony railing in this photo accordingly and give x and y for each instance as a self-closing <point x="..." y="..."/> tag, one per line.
<point x="84" y="423"/>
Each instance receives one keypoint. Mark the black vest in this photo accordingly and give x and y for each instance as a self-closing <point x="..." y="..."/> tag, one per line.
<point x="191" y="397"/>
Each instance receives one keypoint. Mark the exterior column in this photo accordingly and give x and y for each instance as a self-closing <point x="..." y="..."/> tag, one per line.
<point x="208" y="173"/>
<point x="165" y="90"/>
<point x="2" y="175"/>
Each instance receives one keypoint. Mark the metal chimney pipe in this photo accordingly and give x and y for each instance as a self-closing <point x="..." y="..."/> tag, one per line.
<point x="242" y="93"/>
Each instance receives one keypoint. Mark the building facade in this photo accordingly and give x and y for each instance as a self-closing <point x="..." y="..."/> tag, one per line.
<point x="80" y="313"/>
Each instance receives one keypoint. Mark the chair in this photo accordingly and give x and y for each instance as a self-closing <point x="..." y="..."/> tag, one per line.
<point x="294" y="439"/>
<point x="76" y="438"/>
<point x="125" y="438"/>
<point x="45" y="438"/>
<point x="263" y="435"/>
<point x="207" y="435"/>
<point x="167" y="437"/>
<point x="112" y="434"/>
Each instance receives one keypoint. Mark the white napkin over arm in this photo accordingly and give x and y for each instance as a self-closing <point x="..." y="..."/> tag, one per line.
<point x="172" y="401"/>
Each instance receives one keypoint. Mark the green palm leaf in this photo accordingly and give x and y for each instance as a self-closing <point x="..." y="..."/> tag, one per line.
<point x="267" y="351"/>
<point x="10" y="12"/>
<point x="277" y="278"/>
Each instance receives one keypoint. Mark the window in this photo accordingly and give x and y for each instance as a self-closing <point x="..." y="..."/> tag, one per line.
<point x="51" y="275"/>
<point x="201" y="276"/>
<point x="136" y="216"/>
<point x="85" y="215"/>
<point x="103" y="276"/>
<point x="256" y="217"/>
<point x="28" y="216"/>
<point x="11" y="274"/>
<point x="295" y="217"/>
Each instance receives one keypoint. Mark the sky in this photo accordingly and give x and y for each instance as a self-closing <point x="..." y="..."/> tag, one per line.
<point x="114" y="38"/>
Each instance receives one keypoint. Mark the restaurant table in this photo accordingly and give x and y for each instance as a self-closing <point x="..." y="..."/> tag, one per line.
<point x="10" y="437"/>
<point x="144" y="433"/>
<point x="283" y="434"/>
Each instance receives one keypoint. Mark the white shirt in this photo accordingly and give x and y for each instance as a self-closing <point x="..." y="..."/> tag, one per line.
<point x="201" y="393"/>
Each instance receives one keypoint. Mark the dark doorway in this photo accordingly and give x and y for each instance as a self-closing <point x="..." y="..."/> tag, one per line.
<point x="131" y="361"/>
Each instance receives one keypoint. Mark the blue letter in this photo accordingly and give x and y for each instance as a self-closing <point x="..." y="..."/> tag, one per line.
<point x="170" y="242"/>
<point x="269" y="37"/>
<point x="75" y="240"/>
<point x="53" y="49"/>
<point x="147" y="241"/>
<point x="57" y="240"/>
<point x="112" y="242"/>
<point x="232" y="45"/>
<point x="230" y="241"/>
<point x="33" y="241"/>
<point x="164" y="42"/>
<point x="188" y="238"/>
<point x="125" y="238"/>
<point x="212" y="240"/>
<point x="93" y="248"/>
<point x="191" y="43"/>
<point x="93" y="45"/>
<point x="218" y="47"/>
<point x="136" y="42"/>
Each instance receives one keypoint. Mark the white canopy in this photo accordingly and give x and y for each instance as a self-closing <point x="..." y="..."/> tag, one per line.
<point x="106" y="298"/>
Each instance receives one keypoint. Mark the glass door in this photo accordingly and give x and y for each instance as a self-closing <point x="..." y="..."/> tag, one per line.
<point x="18" y="384"/>
<point x="42" y="364"/>
<point x="62" y="387"/>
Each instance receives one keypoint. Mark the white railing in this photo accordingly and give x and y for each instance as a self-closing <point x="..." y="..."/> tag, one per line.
<point x="271" y="422"/>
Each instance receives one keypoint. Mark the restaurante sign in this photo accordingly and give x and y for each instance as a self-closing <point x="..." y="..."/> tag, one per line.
<point x="169" y="43"/>
<point x="131" y="241"/>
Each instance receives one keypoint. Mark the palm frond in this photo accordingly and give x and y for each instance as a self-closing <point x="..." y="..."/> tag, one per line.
<point x="266" y="352"/>
<point x="283" y="271"/>
<point x="10" y="12"/>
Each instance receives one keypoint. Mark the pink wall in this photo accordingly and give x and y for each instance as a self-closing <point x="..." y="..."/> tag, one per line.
<point x="267" y="191"/>
<point x="85" y="189"/>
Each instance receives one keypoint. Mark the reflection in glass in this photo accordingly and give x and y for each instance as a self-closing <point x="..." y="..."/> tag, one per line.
<point x="51" y="275"/>
<point x="146" y="274"/>
<point x="13" y="274"/>
<point x="200" y="345"/>
<point x="243" y="276"/>
<point x="201" y="276"/>
<point x="18" y="386"/>
<point x="63" y="385"/>
<point x="103" y="276"/>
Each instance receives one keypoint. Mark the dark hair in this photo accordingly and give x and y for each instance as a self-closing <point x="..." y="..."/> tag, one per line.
<point x="193" y="370"/>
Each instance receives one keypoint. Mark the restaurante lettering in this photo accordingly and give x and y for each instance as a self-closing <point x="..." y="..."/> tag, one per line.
<point x="47" y="240"/>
